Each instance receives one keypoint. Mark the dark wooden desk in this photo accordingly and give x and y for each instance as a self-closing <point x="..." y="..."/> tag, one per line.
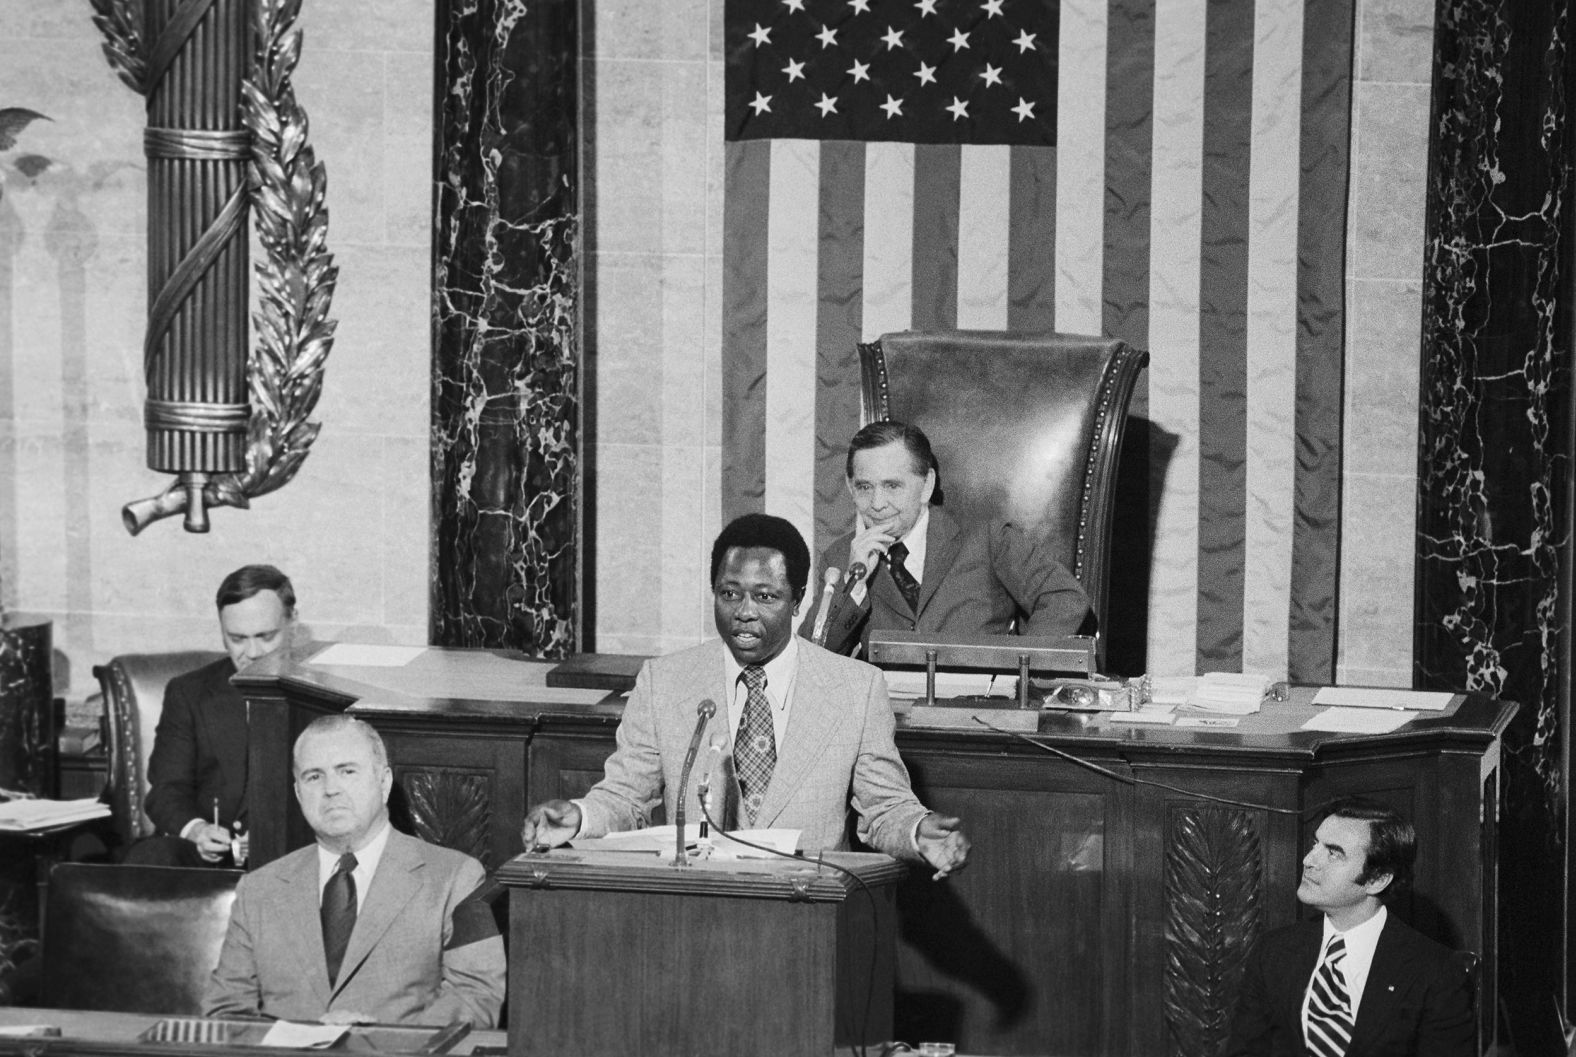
<point x="1102" y="913"/>
<point x="99" y="1034"/>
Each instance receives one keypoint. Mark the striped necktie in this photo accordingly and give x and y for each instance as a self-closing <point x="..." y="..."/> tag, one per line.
<point x="1328" y="1027"/>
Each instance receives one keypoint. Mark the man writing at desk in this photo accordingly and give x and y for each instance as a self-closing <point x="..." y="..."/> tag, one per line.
<point x="813" y="730"/>
<point x="198" y="766"/>
<point x="909" y="566"/>
<point x="367" y="924"/>
<point x="1357" y="982"/>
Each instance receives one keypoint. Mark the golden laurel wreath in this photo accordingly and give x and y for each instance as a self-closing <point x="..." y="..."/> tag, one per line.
<point x="296" y="276"/>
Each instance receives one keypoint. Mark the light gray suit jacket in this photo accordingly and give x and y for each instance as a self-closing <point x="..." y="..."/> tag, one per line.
<point x="837" y="750"/>
<point x="411" y="958"/>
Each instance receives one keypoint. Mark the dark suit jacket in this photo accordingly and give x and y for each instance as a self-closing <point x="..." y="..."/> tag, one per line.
<point x="838" y="750"/>
<point x="424" y="949"/>
<point x="1417" y="1000"/>
<point x="976" y="581"/>
<point x="199" y="751"/>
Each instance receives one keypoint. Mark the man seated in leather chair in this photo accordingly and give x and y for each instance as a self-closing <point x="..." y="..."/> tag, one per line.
<point x="198" y="767"/>
<point x="910" y="566"/>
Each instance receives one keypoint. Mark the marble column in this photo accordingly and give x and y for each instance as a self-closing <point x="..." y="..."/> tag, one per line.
<point x="1495" y="458"/>
<point x="506" y="407"/>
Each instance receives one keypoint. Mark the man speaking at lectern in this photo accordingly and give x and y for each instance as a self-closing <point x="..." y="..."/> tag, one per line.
<point x="811" y="731"/>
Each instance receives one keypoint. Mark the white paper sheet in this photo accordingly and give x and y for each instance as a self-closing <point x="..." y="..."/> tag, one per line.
<point x="31" y="815"/>
<point x="659" y="840"/>
<point x="365" y="655"/>
<point x="294" y="1035"/>
<point x="1381" y="697"/>
<point x="1207" y="721"/>
<point x="1359" y="720"/>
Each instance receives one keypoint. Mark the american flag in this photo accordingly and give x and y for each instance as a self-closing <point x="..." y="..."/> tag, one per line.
<point x="1169" y="172"/>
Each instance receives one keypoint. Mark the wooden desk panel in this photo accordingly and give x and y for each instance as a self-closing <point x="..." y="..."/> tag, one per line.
<point x="1097" y="916"/>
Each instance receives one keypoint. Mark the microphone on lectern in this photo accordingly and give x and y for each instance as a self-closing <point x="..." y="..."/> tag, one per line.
<point x="830" y="578"/>
<point x="703" y="713"/>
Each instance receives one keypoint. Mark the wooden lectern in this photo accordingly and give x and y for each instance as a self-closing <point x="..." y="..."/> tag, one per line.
<point x="618" y="953"/>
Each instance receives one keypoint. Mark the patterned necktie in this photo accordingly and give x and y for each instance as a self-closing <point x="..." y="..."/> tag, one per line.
<point x="755" y="745"/>
<point x="1328" y="1029"/>
<point x="338" y="913"/>
<point x="906" y="584"/>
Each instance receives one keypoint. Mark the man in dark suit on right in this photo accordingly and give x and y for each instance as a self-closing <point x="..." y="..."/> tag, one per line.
<point x="908" y="565"/>
<point x="1357" y="982"/>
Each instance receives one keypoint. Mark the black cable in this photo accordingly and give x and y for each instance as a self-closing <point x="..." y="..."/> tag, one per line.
<point x="1126" y="779"/>
<point x="870" y="984"/>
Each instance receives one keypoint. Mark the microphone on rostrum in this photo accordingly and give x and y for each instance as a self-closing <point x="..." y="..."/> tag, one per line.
<point x="856" y="576"/>
<point x="703" y="713"/>
<point x="830" y="578"/>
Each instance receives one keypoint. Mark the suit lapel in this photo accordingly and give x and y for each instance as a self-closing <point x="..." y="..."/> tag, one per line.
<point x="302" y="924"/>
<point x="943" y="541"/>
<point x="1386" y="975"/>
<point x="395" y="883"/>
<point x="817" y="713"/>
<point x="1304" y="957"/>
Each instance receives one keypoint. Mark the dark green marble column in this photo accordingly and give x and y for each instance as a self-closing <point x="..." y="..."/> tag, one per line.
<point x="506" y="407"/>
<point x="1494" y="532"/>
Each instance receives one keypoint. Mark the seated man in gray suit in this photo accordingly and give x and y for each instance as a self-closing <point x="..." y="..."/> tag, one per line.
<point x="366" y="925"/>
<point x="1354" y="982"/>
<point x="910" y="566"/>
<point x="811" y="731"/>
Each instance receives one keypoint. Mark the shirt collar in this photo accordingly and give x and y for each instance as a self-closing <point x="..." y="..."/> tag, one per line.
<point x="1365" y="935"/>
<point x="915" y="542"/>
<point x="780" y="671"/>
<point x="367" y="856"/>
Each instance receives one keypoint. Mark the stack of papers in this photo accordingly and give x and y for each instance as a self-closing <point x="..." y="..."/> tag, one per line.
<point x="31" y="816"/>
<point x="1234" y="693"/>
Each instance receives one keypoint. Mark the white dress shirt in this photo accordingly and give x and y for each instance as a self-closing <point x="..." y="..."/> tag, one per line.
<point x="366" y="865"/>
<point x="781" y="673"/>
<point x="1360" y="943"/>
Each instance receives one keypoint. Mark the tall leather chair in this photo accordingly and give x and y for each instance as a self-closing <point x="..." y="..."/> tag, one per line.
<point x="1026" y="427"/>
<point x="133" y="939"/>
<point x="133" y="686"/>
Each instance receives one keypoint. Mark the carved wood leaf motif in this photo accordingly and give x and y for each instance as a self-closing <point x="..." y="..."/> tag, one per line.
<point x="452" y="808"/>
<point x="1214" y="879"/>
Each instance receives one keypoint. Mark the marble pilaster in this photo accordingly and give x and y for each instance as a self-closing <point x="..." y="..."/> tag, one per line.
<point x="506" y="446"/>
<point x="1495" y="458"/>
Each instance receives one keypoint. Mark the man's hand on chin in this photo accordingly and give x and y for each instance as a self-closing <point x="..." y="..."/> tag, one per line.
<point x="942" y="843"/>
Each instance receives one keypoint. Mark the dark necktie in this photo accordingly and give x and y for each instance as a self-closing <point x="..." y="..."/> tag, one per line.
<point x="338" y="913"/>
<point x="1328" y="1030"/>
<point x="906" y="584"/>
<point x="755" y="745"/>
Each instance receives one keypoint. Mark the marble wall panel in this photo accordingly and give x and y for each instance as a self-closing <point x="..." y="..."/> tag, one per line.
<point x="508" y="359"/>
<point x="1494" y="536"/>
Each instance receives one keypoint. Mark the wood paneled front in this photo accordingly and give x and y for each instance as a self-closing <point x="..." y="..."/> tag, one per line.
<point x="1119" y="876"/>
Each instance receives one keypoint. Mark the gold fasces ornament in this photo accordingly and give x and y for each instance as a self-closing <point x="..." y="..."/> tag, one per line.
<point x="285" y="189"/>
